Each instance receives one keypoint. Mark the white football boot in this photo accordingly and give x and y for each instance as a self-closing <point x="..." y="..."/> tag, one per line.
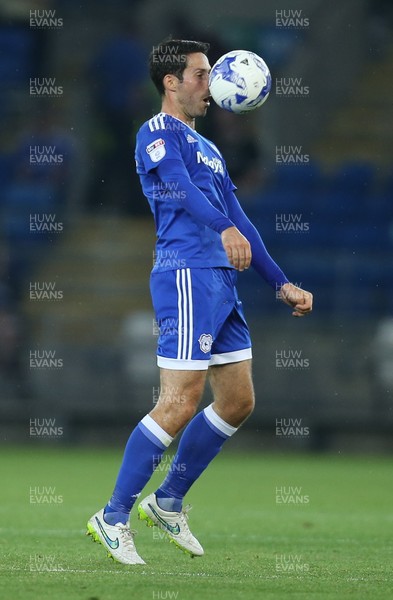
<point x="174" y="524"/>
<point x="117" y="539"/>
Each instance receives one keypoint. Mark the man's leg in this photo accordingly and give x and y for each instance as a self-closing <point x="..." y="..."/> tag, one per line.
<point x="205" y="435"/>
<point x="180" y="393"/>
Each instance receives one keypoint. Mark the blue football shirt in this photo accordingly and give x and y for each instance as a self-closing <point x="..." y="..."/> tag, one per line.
<point x="182" y="240"/>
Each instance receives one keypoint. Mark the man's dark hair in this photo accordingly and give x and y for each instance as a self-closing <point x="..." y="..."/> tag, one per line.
<point x="170" y="57"/>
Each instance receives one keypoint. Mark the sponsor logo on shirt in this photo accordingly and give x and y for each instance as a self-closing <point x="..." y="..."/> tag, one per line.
<point x="156" y="150"/>
<point x="214" y="163"/>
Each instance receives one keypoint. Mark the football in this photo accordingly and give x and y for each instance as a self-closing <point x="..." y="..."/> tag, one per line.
<point x="240" y="81"/>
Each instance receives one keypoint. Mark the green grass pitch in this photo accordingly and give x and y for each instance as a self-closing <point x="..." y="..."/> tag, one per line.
<point x="293" y="526"/>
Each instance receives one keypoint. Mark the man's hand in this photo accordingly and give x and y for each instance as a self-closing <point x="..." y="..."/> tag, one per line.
<point x="300" y="300"/>
<point x="237" y="247"/>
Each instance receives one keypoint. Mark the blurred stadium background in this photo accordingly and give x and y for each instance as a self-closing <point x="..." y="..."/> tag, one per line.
<point x="314" y="172"/>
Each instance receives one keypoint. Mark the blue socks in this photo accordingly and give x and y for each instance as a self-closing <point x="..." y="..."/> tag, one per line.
<point x="142" y="455"/>
<point x="201" y="441"/>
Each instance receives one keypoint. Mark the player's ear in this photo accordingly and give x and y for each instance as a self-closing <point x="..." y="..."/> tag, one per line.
<point x="170" y="82"/>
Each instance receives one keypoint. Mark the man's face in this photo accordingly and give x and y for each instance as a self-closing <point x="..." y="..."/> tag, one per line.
<point x="192" y="94"/>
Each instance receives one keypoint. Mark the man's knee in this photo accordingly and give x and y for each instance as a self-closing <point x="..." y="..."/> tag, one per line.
<point x="247" y="405"/>
<point x="240" y="408"/>
<point x="180" y="394"/>
<point x="233" y="392"/>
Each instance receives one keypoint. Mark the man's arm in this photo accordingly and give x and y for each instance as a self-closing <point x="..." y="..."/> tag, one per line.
<point x="300" y="300"/>
<point x="194" y="201"/>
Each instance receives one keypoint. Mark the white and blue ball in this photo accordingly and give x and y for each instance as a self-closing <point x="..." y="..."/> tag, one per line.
<point x="240" y="81"/>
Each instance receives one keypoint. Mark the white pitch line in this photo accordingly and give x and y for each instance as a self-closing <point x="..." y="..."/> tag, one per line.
<point x="41" y="532"/>
<point x="109" y="572"/>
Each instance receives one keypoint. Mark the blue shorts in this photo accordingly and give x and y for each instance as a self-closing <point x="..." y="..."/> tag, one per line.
<point x="199" y="318"/>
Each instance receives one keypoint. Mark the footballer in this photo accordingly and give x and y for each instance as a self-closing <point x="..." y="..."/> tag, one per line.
<point x="208" y="238"/>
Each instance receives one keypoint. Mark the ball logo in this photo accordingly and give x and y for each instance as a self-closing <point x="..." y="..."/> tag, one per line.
<point x="205" y="342"/>
<point x="156" y="150"/>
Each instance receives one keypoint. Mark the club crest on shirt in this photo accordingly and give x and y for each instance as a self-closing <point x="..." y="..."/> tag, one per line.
<point x="156" y="150"/>
<point x="205" y="342"/>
